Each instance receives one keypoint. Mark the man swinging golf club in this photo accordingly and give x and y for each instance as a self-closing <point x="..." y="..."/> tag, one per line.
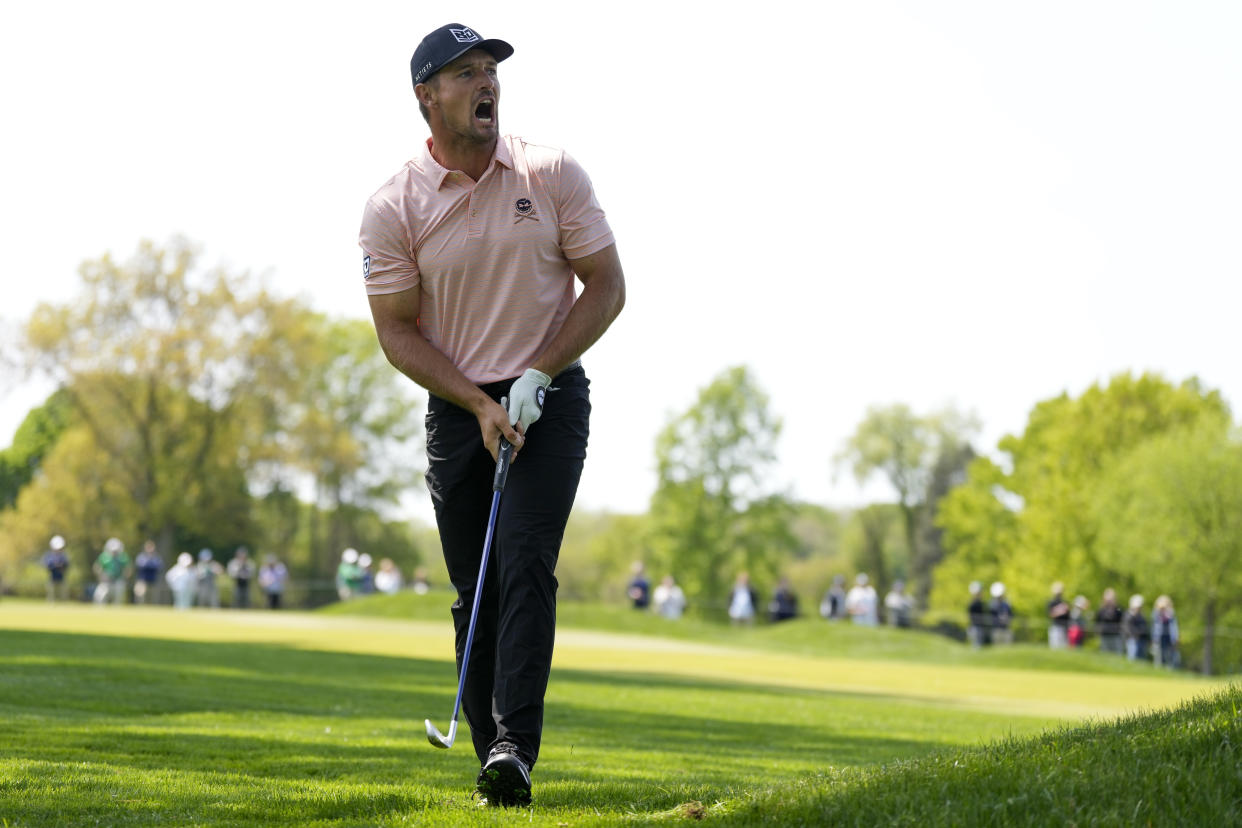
<point x="470" y="256"/>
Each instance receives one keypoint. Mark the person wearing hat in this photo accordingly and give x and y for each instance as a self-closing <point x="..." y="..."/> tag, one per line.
<point x="56" y="562"/>
<point x="112" y="568"/>
<point x="208" y="573"/>
<point x="1001" y="613"/>
<point x="182" y="580"/>
<point x="471" y="254"/>
<point x="348" y="574"/>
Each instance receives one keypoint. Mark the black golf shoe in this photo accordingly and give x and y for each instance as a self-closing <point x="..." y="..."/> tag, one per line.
<point x="504" y="779"/>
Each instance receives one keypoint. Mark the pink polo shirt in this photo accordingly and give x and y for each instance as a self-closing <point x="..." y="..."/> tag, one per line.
<point x="490" y="259"/>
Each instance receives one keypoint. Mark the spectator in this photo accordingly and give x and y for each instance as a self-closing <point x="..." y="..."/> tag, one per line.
<point x="1135" y="630"/>
<point x="57" y="564"/>
<point x="1164" y="633"/>
<point x="388" y="579"/>
<point x="112" y="569"/>
<point x="1058" y="618"/>
<point x="832" y="607"/>
<point x="669" y="600"/>
<point x="149" y="567"/>
<point x="898" y="605"/>
<point x="784" y="604"/>
<point x="1108" y="623"/>
<point x="241" y="570"/>
<point x="978" y="617"/>
<point x="639" y="588"/>
<point x="862" y="603"/>
<point x="207" y="574"/>
<point x="743" y="600"/>
<point x="1076" y="634"/>
<point x="182" y="581"/>
<point x="1001" y="615"/>
<point x="272" y="579"/>
<point x="421" y="585"/>
<point x="348" y="575"/>
<point x="366" y="575"/>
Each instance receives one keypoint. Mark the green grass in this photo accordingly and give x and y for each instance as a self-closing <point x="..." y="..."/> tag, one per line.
<point x="142" y="716"/>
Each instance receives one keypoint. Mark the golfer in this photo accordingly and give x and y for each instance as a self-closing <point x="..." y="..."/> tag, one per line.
<point x="470" y="255"/>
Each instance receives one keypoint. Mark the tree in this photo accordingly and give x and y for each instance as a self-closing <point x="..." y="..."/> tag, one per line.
<point x="921" y="457"/>
<point x="877" y="544"/>
<point x="350" y="427"/>
<point x="1028" y="517"/>
<point x="159" y="362"/>
<point x="196" y="387"/>
<point x="34" y="438"/>
<point x="714" y="510"/>
<point x="1170" y="513"/>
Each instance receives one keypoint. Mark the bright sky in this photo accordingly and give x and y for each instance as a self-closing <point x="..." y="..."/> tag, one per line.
<point x="971" y="203"/>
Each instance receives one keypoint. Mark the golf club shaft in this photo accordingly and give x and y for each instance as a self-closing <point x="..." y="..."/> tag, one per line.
<point x="498" y="485"/>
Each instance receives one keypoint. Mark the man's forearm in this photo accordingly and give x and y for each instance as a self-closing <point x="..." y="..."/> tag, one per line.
<point x="593" y="311"/>
<point x="411" y="354"/>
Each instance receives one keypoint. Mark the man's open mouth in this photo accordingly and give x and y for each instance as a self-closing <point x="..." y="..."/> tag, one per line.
<point x="484" y="110"/>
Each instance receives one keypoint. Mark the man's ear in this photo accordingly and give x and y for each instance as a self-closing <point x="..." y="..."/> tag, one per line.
<point x="425" y="93"/>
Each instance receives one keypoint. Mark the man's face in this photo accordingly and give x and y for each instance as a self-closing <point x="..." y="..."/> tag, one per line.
<point x="466" y="93"/>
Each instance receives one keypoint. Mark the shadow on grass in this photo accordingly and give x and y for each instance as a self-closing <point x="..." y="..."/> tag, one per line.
<point x="335" y="735"/>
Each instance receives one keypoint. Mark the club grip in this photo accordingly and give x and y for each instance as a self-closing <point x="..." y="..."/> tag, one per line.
<point x="502" y="465"/>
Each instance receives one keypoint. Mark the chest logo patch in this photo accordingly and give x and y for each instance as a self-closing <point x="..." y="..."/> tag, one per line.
<point x="524" y="208"/>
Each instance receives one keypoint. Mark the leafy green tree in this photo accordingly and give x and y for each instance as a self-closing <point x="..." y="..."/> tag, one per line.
<point x="921" y="457"/>
<point x="158" y="360"/>
<point x="350" y="427"/>
<point x="715" y="510"/>
<point x="75" y="495"/>
<point x="599" y="552"/>
<point x="197" y="387"/>
<point x="877" y="545"/>
<point x="33" y="440"/>
<point x="1027" y="518"/>
<point x="1170" y="514"/>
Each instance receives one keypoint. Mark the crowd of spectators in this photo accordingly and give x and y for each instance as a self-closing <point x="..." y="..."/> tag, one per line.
<point x="195" y="580"/>
<point x="990" y="617"/>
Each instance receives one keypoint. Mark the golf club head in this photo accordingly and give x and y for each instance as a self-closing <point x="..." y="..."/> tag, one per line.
<point x="437" y="738"/>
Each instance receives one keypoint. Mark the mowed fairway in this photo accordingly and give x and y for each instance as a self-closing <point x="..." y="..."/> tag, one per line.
<point x="144" y="715"/>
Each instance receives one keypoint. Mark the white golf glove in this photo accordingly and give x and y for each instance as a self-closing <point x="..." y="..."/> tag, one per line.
<point x="526" y="397"/>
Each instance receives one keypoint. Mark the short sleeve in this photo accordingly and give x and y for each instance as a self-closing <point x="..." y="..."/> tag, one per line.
<point x="388" y="264"/>
<point x="584" y="227"/>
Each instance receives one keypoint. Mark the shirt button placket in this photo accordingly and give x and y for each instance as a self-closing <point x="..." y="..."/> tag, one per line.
<point x="474" y="227"/>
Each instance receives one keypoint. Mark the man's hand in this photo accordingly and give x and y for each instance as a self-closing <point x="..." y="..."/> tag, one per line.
<point x="494" y="424"/>
<point x="526" y="398"/>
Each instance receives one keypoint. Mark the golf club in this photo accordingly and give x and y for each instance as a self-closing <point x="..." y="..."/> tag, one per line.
<point x="434" y="736"/>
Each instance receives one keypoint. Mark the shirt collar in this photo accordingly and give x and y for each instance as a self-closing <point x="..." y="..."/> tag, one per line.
<point x="437" y="173"/>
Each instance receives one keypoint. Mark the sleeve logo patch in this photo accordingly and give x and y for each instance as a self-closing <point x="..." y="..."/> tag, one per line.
<point x="366" y="267"/>
<point x="524" y="208"/>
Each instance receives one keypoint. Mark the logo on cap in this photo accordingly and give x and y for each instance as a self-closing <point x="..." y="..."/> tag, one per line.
<point x="464" y="35"/>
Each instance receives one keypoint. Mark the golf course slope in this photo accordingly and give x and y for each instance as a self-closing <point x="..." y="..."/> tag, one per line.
<point x="139" y="716"/>
<point x="1173" y="767"/>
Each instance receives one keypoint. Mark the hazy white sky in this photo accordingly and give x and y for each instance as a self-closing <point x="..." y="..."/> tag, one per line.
<point x="971" y="203"/>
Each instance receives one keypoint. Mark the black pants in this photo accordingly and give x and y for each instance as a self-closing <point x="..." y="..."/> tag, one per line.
<point x="512" y="651"/>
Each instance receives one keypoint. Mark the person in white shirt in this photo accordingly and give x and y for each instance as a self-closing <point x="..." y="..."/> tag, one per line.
<point x="668" y="599"/>
<point x="861" y="602"/>
<point x="742" y="601"/>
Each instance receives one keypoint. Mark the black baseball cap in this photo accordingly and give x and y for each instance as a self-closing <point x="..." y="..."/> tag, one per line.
<point x="448" y="43"/>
